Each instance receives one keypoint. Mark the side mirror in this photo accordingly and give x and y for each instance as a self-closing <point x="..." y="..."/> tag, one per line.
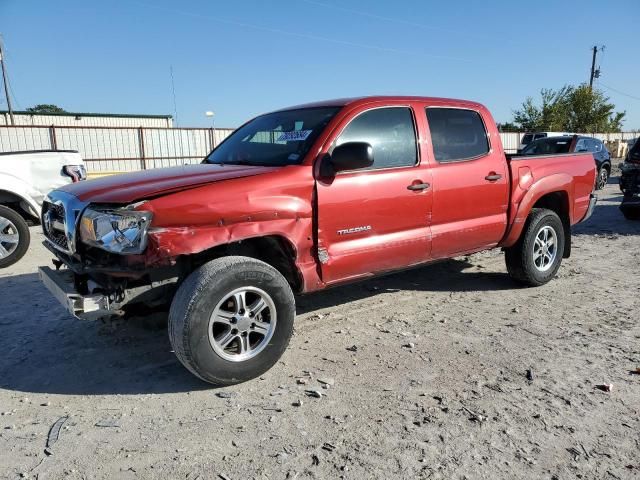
<point x="351" y="156"/>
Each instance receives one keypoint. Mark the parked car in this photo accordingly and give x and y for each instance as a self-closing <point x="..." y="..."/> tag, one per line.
<point x="302" y="199"/>
<point x="630" y="144"/>
<point x="575" y="144"/>
<point x="25" y="179"/>
<point x="529" y="137"/>
<point x="630" y="183"/>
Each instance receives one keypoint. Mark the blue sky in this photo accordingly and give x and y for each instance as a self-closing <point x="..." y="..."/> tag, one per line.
<point x="244" y="57"/>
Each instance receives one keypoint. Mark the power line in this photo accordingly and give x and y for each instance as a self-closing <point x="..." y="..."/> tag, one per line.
<point x="303" y="35"/>
<point x="618" y="91"/>
<point x="389" y="19"/>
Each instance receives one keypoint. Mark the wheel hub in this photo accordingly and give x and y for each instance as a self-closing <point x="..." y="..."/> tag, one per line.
<point x="242" y="324"/>
<point x="545" y="248"/>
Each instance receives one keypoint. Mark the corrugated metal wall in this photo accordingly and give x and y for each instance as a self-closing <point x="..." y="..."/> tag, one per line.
<point x="87" y="120"/>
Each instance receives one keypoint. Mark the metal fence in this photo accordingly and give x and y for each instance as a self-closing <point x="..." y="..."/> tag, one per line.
<point x="119" y="149"/>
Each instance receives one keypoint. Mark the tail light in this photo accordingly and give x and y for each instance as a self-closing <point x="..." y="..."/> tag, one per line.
<point x="76" y="172"/>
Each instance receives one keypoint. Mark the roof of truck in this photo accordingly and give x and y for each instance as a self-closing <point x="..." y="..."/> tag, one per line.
<point x="341" y="102"/>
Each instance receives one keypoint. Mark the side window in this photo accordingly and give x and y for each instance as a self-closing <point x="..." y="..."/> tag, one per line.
<point x="595" y="145"/>
<point x="391" y="133"/>
<point x="581" y="145"/>
<point x="456" y="134"/>
<point x="540" y="135"/>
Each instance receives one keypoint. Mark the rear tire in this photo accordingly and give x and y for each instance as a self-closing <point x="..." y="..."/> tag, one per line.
<point x="603" y="178"/>
<point x="536" y="257"/>
<point x="14" y="236"/>
<point x="231" y="320"/>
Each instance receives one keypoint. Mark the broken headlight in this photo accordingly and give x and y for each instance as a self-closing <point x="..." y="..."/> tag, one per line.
<point x="116" y="231"/>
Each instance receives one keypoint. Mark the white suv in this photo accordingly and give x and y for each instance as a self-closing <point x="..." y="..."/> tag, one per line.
<point x="25" y="179"/>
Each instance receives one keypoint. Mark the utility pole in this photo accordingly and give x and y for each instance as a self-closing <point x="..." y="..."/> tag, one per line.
<point x="595" y="72"/>
<point x="4" y="80"/>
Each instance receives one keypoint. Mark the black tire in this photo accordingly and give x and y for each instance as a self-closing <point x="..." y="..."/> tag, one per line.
<point x="603" y="178"/>
<point x="519" y="258"/>
<point x="630" y="213"/>
<point x="197" y="298"/>
<point x="18" y="226"/>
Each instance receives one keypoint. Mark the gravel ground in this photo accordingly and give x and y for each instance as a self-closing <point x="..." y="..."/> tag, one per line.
<point x="449" y="371"/>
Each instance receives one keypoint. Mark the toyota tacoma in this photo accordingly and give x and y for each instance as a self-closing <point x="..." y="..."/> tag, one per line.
<point x="302" y="199"/>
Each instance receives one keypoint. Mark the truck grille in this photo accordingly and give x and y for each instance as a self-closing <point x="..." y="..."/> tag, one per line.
<point x="53" y="224"/>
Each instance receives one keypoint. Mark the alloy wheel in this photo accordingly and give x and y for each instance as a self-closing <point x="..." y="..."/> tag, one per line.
<point x="9" y="237"/>
<point x="545" y="248"/>
<point x="242" y="324"/>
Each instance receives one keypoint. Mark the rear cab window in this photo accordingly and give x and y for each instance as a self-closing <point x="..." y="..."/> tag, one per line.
<point x="456" y="134"/>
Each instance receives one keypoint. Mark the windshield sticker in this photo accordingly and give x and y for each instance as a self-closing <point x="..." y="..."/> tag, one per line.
<point x="293" y="157"/>
<point x="294" y="136"/>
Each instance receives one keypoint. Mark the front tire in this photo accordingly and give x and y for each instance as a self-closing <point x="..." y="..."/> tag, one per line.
<point x="536" y="257"/>
<point x="231" y="320"/>
<point x="14" y="237"/>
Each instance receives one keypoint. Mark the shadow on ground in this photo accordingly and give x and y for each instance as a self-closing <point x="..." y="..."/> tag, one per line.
<point x="43" y="349"/>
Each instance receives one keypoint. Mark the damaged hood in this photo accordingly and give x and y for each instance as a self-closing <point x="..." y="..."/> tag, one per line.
<point x="131" y="187"/>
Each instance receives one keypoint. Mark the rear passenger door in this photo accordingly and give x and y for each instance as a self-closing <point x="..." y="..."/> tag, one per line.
<point x="375" y="219"/>
<point x="470" y="183"/>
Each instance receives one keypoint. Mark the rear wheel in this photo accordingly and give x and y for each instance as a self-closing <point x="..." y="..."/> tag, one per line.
<point x="536" y="257"/>
<point x="603" y="178"/>
<point x="14" y="237"/>
<point x="231" y="320"/>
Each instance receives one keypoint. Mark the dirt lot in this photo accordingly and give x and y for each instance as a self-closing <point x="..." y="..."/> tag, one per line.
<point x="427" y="374"/>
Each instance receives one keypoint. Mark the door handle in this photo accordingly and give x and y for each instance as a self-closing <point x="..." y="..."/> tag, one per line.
<point x="418" y="186"/>
<point x="493" y="177"/>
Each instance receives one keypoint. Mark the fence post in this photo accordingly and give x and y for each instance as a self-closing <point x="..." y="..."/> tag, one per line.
<point x="52" y="138"/>
<point x="143" y="160"/>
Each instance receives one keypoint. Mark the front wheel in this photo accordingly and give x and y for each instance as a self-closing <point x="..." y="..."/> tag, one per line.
<point x="536" y="257"/>
<point x="231" y="320"/>
<point x="14" y="237"/>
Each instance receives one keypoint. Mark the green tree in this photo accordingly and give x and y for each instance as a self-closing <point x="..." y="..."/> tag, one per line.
<point x="574" y="109"/>
<point x="508" y="127"/>
<point x="46" y="108"/>
<point x="591" y="112"/>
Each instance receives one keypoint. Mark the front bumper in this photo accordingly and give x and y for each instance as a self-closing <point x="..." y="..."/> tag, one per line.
<point x="85" y="307"/>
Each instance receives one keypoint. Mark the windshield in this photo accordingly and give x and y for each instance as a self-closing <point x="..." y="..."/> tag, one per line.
<point x="274" y="139"/>
<point x="548" y="146"/>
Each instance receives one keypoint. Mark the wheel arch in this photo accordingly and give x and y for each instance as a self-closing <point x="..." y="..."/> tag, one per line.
<point x="558" y="202"/>
<point x="555" y="193"/>
<point x="26" y="207"/>
<point x="275" y="250"/>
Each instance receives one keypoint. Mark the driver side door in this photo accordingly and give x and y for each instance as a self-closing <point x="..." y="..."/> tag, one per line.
<point x="376" y="219"/>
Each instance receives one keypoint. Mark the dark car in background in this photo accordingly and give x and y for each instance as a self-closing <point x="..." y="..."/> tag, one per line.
<point x="575" y="144"/>
<point x="630" y="183"/>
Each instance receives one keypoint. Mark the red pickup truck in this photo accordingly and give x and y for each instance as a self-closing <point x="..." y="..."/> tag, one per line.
<point x="299" y="200"/>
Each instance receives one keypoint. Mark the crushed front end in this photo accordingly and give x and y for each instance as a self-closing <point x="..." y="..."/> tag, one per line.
<point x="102" y="267"/>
